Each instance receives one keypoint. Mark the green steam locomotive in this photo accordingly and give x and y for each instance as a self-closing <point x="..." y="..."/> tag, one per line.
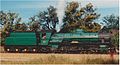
<point x="49" y="42"/>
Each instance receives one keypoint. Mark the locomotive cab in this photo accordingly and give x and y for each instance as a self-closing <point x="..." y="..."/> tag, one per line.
<point x="45" y="37"/>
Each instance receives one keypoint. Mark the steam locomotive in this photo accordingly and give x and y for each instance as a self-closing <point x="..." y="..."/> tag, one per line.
<point x="49" y="42"/>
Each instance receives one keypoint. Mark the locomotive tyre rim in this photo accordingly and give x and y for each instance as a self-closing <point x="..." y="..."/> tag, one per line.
<point x="8" y="50"/>
<point x="25" y="50"/>
<point x="16" y="50"/>
<point x="34" y="50"/>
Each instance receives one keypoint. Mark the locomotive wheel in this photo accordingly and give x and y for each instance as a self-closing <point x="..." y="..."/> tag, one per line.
<point x="33" y="50"/>
<point x="16" y="50"/>
<point x="25" y="50"/>
<point x="7" y="50"/>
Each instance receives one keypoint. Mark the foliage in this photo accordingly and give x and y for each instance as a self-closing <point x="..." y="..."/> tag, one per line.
<point x="7" y="19"/>
<point x="83" y="18"/>
<point x="33" y="24"/>
<point x="3" y="36"/>
<point x="20" y="27"/>
<point x="112" y="22"/>
<point x="112" y="25"/>
<point x="46" y="19"/>
<point x="11" y="22"/>
<point x="115" y="40"/>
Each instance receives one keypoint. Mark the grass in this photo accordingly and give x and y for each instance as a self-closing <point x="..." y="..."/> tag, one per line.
<point x="1" y="49"/>
<point x="29" y="58"/>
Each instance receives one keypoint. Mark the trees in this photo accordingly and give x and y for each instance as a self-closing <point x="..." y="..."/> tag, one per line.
<point x="11" y="22"/>
<point x="83" y="18"/>
<point x="20" y="27"/>
<point x="34" y="25"/>
<point x="111" y="22"/>
<point x="112" y="26"/>
<point x="46" y="19"/>
<point x="115" y="40"/>
<point x="7" y="19"/>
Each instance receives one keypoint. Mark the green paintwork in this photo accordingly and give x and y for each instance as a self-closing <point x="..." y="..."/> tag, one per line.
<point x="45" y="41"/>
<point x="21" y="38"/>
<point x="56" y="40"/>
<point x="81" y="37"/>
<point x="54" y="45"/>
<point x="22" y="34"/>
<point x="69" y="37"/>
<point x="20" y="41"/>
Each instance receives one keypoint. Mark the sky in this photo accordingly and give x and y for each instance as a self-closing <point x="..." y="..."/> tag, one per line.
<point x="28" y="8"/>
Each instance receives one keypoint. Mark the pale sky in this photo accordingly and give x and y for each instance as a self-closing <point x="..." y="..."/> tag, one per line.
<point x="27" y="8"/>
<point x="100" y="3"/>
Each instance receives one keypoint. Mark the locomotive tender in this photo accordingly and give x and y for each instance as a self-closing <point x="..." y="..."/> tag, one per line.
<point x="47" y="41"/>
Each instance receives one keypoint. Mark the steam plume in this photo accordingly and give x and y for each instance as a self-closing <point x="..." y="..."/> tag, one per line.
<point x="60" y="12"/>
